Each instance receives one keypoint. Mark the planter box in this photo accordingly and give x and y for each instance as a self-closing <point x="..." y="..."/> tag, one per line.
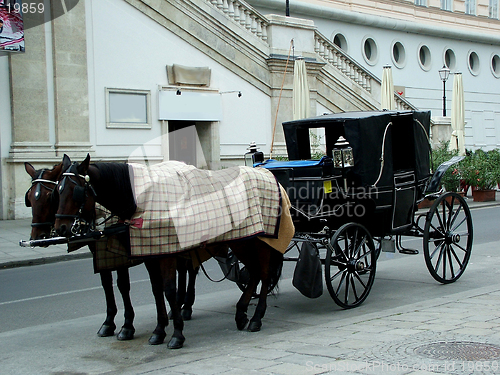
<point x="483" y="195"/>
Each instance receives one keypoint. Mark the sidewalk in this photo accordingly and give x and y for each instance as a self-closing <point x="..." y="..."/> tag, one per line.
<point x="13" y="255"/>
<point x="410" y="325"/>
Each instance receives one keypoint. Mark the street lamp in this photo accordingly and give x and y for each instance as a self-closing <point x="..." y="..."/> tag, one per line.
<point x="444" y="73"/>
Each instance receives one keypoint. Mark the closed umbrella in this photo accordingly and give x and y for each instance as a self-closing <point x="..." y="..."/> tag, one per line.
<point x="387" y="89"/>
<point x="457" y="141"/>
<point x="301" y="100"/>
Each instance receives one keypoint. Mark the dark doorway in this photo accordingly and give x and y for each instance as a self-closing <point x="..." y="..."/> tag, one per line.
<point x="182" y="141"/>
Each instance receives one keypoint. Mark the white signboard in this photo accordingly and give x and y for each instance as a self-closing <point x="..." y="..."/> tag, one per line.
<point x="189" y="105"/>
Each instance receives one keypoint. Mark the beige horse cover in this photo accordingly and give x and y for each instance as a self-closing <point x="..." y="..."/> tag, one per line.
<point x="180" y="207"/>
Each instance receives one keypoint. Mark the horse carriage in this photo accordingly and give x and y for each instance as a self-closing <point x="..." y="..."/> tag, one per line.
<point x="362" y="197"/>
<point x="353" y="203"/>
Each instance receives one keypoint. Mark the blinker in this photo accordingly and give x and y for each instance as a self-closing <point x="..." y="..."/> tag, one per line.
<point x="79" y="194"/>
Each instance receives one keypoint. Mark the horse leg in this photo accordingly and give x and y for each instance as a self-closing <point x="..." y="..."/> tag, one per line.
<point x="182" y="270"/>
<point x="108" y="327"/>
<point x="187" y="308"/>
<point x="169" y="271"/>
<point x="123" y="282"/>
<point x="159" y="334"/>
<point x="242" y="305"/>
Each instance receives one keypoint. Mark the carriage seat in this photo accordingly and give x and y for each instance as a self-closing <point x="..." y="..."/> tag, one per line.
<point x="304" y="180"/>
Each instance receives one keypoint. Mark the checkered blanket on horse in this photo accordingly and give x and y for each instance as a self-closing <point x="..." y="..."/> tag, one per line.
<point x="180" y="207"/>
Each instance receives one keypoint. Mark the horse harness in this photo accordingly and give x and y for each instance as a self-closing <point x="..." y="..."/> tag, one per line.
<point x="39" y="181"/>
<point x="80" y="195"/>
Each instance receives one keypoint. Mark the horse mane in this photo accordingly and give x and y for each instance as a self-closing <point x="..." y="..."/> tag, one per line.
<point x="115" y="189"/>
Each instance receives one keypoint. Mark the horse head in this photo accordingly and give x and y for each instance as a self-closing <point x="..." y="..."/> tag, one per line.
<point x="75" y="198"/>
<point x="40" y="198"/>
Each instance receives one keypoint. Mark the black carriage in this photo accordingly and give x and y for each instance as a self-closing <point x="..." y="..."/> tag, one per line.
<point x="361" y="197"/>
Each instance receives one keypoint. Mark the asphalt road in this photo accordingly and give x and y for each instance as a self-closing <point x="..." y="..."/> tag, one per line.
<point x="55" y="292"/>
<point x="66" y="299"/>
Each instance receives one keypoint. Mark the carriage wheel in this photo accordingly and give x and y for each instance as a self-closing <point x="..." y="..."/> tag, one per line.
<point x="448" y="238"/>
<point x="350" y="265"/>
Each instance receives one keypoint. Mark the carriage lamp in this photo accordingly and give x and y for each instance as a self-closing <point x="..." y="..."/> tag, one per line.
<point x="253" y="155"/>
<point x="342" y="154"/>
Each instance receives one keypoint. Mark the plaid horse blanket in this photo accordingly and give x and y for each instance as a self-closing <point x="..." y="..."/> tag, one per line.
<point x="180" y="207"/>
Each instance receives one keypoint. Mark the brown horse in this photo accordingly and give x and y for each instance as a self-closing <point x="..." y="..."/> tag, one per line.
<point x="82" y="185"/>
<point x="41" y="200"/>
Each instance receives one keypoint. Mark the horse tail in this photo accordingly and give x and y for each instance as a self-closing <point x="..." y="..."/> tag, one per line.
<point x="275" y="268"/>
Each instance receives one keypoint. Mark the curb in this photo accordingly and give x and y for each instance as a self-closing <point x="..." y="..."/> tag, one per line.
<point x="45" y="260"/>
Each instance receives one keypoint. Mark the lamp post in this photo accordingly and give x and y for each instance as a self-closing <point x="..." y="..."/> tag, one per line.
<point x="444" y="73"/>
<point x="287" y="8"/>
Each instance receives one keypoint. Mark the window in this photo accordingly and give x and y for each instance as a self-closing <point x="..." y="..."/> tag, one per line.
<point x="128" y="108"/>
<point x="447" y="5"/>
<point x="473" y="62"/>
<point x="450" y="59"/>
<point x="340" y="41"/>
<point x="370" y="51"/>
<point x="421" y="2"/>
<point x="398" y="54"/>
<point x="495" y="65"/>
<point x="493" y="9"/>
<point x="424" y="57"/>
<point x="470" y="7"/>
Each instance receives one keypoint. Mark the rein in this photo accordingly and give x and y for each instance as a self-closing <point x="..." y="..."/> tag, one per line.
<point x="205" y="271"/>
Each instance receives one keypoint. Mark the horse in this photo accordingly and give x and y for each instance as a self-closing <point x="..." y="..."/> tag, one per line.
<point x="40" y="197"/>
<point x="83" y="184"/>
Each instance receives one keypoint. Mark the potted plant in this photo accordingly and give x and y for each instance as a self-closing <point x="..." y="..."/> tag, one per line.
<point x="482" y="174"/>
<point x="451" y="178"/>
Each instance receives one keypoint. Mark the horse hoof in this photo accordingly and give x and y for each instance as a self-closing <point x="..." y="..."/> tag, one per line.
<point x="186" y="314"/>
<point x="175" y="343"/>
<point x="157" y="338"/>
<point x="106" y="330"/>
<point x="241" y="324"/>
<point x="126" y="334"/>
<point x="254" y="326"/>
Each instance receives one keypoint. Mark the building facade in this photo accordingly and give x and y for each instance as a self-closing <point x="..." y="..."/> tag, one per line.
<point x="198" y="80"/>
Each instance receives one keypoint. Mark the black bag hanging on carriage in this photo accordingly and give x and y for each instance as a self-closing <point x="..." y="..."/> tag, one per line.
<point x="307" y="277"/>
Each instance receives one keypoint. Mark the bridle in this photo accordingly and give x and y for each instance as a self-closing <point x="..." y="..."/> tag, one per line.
<point x="80" y="195"/>
<point x="40" y="182"/>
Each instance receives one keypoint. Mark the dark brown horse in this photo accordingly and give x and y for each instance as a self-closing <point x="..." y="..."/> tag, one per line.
<point x="41" y="200"/>
<point x="82" y="185"/>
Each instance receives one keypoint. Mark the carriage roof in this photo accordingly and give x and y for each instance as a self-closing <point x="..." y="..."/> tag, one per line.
<point x="402" y="135"/>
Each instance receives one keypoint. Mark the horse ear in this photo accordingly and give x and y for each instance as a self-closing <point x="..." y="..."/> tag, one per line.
<point x="66" y="162"/>
<point x="55" y="172"/>
<point x="84" y="166"/>
<point x="30" y="169"/>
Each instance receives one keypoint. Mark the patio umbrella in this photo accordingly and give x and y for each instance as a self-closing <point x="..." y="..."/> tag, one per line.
<point x="387" y="89"/>
<point x="301" y="101"/>
<point x="457" y="141"/>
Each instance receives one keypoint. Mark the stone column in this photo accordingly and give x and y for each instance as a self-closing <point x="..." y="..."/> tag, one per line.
<point x="70" y="81"/>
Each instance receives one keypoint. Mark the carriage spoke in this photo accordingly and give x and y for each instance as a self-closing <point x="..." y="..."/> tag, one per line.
<point x="459" y="224"/>
<point x="359" y="279"/>
<point x="342" y="279"/>
<point x="346" y="293"/>
<point x="436" y="249"/>
<point x="452" y="251"/>
<point x="438" y="230"/>
<point x="440" y="257"/>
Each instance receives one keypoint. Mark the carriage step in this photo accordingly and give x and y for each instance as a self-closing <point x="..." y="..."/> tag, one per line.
<point x="408" y="251"/>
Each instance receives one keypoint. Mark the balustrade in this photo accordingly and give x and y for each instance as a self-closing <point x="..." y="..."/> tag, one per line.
<point x="241" y="13"/>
